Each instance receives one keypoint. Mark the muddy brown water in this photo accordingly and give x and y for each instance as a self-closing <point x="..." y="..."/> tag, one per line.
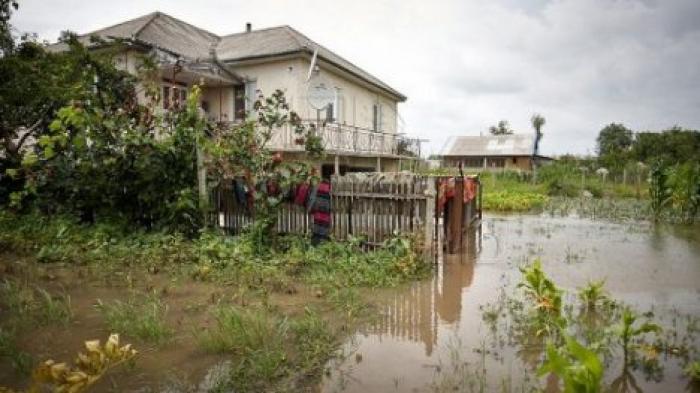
<point x="411" y="347"/>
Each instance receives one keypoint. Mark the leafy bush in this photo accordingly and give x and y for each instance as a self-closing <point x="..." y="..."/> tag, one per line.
<point x="512" y="201"/>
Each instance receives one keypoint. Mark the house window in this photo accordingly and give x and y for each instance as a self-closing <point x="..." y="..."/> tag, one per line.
<point x="376" y="117"/>
<point x="251" y="95"/>
<point x="497" y="162"/>
<point x="239" y="105"/>
<point x="183" y="96"/>
<point x="166" y="97"/>
<point x="338" y="107"/>
<point x="330" y="113"/>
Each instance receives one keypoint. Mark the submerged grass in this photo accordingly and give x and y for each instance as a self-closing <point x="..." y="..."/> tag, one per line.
<point x="143" y="319"/>
<point x="270" y="352"/>
<point x="34" y="306"/>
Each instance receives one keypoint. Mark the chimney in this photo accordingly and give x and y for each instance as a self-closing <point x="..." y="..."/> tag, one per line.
<point x="248" y="27"/>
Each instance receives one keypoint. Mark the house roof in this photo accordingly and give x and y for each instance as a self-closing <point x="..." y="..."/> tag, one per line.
<point x="491" y="145"/>
<point x="283" y="40"/>
<point x="160" y="30"/>
<point x="174" y="35"/>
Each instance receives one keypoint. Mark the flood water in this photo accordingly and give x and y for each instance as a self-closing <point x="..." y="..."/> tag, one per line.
<point x="423" y="326"/>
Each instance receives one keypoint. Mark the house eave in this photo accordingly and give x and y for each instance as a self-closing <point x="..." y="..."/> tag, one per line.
<point x="306" y="53"/>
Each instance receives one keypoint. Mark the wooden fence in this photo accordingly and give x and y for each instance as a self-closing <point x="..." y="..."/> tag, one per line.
<point x="373" y="206"/>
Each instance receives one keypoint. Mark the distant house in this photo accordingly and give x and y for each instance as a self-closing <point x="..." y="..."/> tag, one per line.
<point x="359" y="128"/>
<point x="513" y="151"/>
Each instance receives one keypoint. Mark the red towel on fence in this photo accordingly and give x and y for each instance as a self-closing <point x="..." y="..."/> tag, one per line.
<point x="469" y="189"/>
<point x="301" y="194"/>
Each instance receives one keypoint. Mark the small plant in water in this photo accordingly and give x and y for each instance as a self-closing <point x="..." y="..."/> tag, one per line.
<point x="546" y="296"/>
<point x="593" y="295"/>
<point x="143" y="320"/>
<point x="578" y="367"/>
<point x="627" y="332"/>
<point x="692" y="371"/>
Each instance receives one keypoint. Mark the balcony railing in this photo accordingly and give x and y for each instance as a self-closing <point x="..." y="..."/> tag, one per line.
<point x="344" y="139"/>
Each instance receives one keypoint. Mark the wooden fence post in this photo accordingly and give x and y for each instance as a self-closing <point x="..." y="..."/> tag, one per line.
<point x="456" y="217"/>
<point x="429" y="219"/>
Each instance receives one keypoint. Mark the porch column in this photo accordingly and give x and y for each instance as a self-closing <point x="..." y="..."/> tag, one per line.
<point x="485" y="165"/>
<point x="336" y="166"/>
<point x="379" y="164"/>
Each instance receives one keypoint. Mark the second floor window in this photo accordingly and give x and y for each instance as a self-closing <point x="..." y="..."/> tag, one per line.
<point x="376" y="117"/>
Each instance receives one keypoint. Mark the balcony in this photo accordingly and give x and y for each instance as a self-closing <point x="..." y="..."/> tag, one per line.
<point x="349" y="140"/>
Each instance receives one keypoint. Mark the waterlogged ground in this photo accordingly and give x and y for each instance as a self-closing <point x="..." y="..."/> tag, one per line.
<point x="432" y="336"/>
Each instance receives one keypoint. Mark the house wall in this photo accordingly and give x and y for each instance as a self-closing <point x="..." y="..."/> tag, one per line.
<point x="355" y="101"/>
<point x="285" y="75"/>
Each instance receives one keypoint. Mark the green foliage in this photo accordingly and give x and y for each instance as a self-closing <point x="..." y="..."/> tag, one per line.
<point x="539" y="288"/>
<point x="546" y="297"/>
<point x="268" y="348"/>
<point x="579" y="368"/>
<point x="143" y="319"/>
<point x="684" y="189"/>
<point x="675" y="190"/>
<point x="20" y="361"/>
<point x="512" y="201"/>
<point x="692" y="371"/>
<point x="673" y="146"/>
<point x="614" y="143"/>
<point x="6" y="39"/>
<point x="244" y="331"/>
<point x="593" y="295"/>
<point x="627" y="332"/>
<point x="34" y="306"/>
<point x="241" y="152"/>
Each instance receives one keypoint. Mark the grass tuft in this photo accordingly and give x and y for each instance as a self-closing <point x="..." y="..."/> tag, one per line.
<point x="144" y="320"/>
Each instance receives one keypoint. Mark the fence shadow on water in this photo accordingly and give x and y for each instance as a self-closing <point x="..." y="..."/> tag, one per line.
<point x="414" y="313"/>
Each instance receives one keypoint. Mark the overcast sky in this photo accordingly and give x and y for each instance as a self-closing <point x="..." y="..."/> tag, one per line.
<point x="464" y="65"/>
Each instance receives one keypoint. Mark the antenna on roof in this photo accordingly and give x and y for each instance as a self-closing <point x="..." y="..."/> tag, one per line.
<point x="312" y="65"/>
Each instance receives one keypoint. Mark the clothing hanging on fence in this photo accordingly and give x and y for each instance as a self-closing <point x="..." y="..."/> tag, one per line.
<point x="311" y="198"/>
<point x="321" y="209"/>
<point x="240" y="191"/>
<point x="469" y="189"/>
<point x="446" y="191"/>
<point x="301" y="193"/>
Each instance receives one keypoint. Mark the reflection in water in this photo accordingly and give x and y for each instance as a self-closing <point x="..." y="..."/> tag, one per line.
<point x="413" y="314"/>
<point x="649" y="268"/>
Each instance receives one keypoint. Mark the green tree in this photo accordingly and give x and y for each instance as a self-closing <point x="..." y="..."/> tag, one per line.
<point x="241" y="152"/>
<point x="502" y="128"/>
<point x="538" y="121"/>
<point x="6" y="39"/>
<point x="672" y="146"/>
<point x="614" y="142"/>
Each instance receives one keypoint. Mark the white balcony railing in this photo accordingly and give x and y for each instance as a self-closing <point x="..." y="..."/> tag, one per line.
<point x="344" y="139"/>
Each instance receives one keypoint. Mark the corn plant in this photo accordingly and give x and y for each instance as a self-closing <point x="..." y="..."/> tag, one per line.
<point x="692" y="371"/>
<point x="578" y="367"/>
<point x="546" y="296"/>
<point x="627" y="332"/>
<point x="658" y="191"/>
<point x="593" y="295"/>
